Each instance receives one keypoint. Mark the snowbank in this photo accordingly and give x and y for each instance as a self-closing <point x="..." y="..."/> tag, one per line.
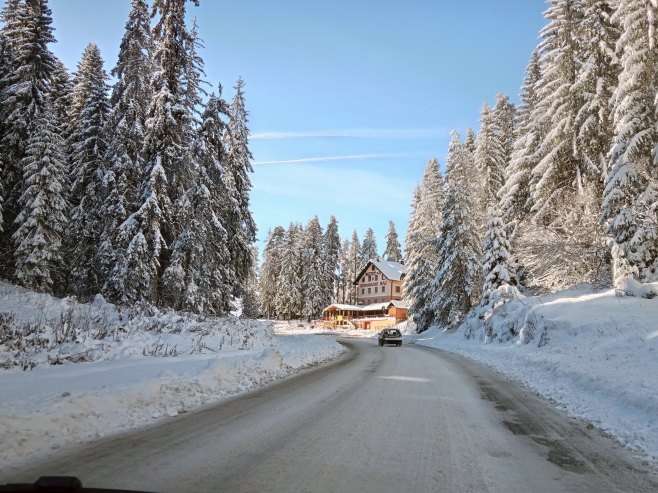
<point x="83" y="371"/>
<point x="594" y="354"/>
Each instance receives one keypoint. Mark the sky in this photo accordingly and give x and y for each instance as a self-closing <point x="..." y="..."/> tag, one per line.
<point x="347" y="99"/>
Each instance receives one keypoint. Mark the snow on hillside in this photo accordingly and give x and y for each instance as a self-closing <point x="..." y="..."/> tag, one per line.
<point x="83" y="371"/>
<point x="594" y="354"/>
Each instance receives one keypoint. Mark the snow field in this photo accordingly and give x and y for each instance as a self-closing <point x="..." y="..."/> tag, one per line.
<point x="127" y="381"/>
<point x="594" y="354"/>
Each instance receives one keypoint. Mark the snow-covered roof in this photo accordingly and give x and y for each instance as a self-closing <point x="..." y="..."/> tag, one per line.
<point x="368" y="308"/>
<point x="343" y="307"/>
<point x="375" y="306"/>
<point x="400" y="304"/>
<point x="391" y="270"/>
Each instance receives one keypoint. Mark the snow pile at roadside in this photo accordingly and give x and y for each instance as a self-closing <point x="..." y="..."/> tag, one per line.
<point x="594" y="354"/>
<point x="136" y="368"/>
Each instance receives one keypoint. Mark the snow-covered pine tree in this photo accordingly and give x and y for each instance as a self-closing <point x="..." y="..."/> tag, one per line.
<point x="144" y="236"/>
<point x="5" y="67"/>
<point x="290" y="296"/>
<point x="595" y="83"/>
<point x="422" y="236"/>
<point x="631" y="191"/>
<point x="495" y="263"/>
<point x="515" y="195"/>
<point x="559" y="173"/>
<point x="489" y="161"/>
<point x="88" y="143"/>
<point x="130" y="100"/>
<point x="42" y="220"/>
<point x="393" y="249"/>
<point x="469" y="141"/>
<point x="457" y="281"/>
<point x="369" y="248"/>
<point x="355" y="265"/>
<point x="344" y="281"/>
<point x="314" y="271"/>
<point x="331" y="260"/>
<point x="198" y="277"/>
<point x="193" y="75"/>
<point x="250" y="300"/>
<point x="269" y="283"/>
<point x="135" y="273"/>
<point x="504" y="119"/>
<point x="25" y="86"/>
<point x="240" y="224"/>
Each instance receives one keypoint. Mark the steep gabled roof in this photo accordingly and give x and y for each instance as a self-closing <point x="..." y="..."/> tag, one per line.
<point x="392" y="270"/>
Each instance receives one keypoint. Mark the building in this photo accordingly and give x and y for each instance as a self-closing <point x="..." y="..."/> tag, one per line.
<point x="375" y="316"/>
<point x="379" y="281"/>
<point x="379" y="301"/>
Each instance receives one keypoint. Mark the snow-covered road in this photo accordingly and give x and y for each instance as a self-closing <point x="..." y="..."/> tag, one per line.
<point x="378" y="419"/>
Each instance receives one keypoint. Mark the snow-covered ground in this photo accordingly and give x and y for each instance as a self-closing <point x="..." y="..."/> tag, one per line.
<point x="594" y="354"/>
<point x="91" y="370"/>
<point x="296" y="327"/>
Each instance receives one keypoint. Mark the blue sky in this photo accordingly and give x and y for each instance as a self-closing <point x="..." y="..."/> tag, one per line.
<point x="348" y="99"/>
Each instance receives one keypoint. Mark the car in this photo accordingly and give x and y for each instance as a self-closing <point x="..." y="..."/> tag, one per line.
<point x="390" y="336"/>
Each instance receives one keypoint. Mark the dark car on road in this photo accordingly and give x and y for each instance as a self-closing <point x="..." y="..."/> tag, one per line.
<point x="390" y="336"/>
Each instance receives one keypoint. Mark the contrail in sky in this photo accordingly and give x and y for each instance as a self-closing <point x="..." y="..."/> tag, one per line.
<point x="343" y="158"/>
<point x="354" y="133"/>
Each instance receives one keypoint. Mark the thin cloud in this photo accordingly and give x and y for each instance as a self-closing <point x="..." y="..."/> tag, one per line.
<point x="351" y="134"/>
<point x="342" y="158"/>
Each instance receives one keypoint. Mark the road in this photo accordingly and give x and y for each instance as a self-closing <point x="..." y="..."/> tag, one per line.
<point x="380" y="420"/>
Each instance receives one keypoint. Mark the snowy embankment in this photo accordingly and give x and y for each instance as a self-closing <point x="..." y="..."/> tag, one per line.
<point x="594" y="354"/>
<point x="71" y="372"/>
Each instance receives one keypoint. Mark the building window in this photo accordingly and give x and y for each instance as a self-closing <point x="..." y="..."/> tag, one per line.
<point x="384" y="288"/>
<point x="368" y="290"/>
<point x="377" y="278"/>
<point x="375" y="289"/>
<point x="363" y="290"/>
<point x="397" y="289"/>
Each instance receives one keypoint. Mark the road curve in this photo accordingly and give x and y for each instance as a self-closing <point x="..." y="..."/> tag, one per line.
<point x="379" y="420"/>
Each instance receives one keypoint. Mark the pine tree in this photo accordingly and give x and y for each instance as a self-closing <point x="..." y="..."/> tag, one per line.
<point x="355" y="265"/>
<point x="314" y="271"/>
<point x="489" y="159"/>
<point x="595" y="83"/>
<point x="88" y="144"/>
<point x="344" y="280"/>
<point x="515" y="195"/>
<point x="42" y="220"/>
<point x="631" y="191"/>
<point x="504" y="120"/>
<point x="393" y="250"/>
<point x="135" y="274"/>
<point x="126" y="125"/>
<point x="269" y="284"/>
<point x="240" y="223"/>
<point x="422" y="236"/>
<point x="457" y="281"/>
<point x="331" y="260"/>
<point x="143" y="239"/>
<point x="369" y="248"/>
<point x="559" y="173"/>
<point x="250" y="301"/>
<point x="290" y="297"/>
<point x="193" y="76"/>
<point x="25" y="86"/>
<point x="495" y="264"/>
<point x="205" y="284"/>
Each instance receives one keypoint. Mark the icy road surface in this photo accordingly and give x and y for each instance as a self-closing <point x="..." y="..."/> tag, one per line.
<point x="377" y="420"/>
